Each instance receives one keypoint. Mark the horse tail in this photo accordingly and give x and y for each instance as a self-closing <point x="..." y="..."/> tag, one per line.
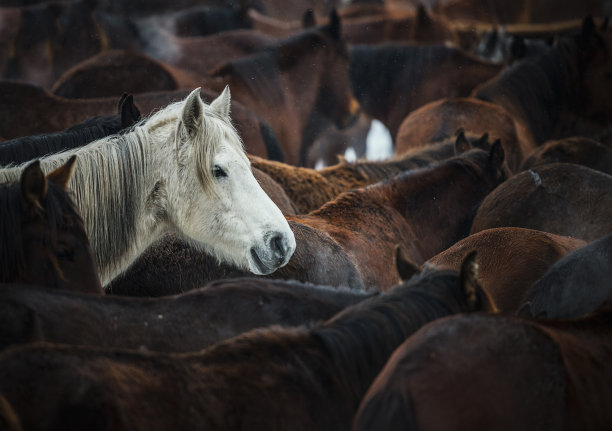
<point x="273" y="147"/>
<point x="388" y="409"/>
<point x="9" y="420"/>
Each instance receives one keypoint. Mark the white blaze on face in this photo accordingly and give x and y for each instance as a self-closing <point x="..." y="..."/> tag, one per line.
<point x="379" y="144"/>
<point x="350" y="155"/>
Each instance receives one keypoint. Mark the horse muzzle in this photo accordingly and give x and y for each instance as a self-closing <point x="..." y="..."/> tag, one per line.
<point x="277" y="251"/>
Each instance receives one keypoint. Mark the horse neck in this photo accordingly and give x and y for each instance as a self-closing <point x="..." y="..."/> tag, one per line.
<point x="361" y="339"/>
<point x="110" y="185"/>
<point x="439" y="202"/>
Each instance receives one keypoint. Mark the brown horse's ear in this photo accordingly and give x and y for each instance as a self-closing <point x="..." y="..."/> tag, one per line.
<point x="496" y="159"/>
<point x="334" y="26"/>
<point x="406" y="268"/>
<point x="61" y="175"/>
<point x="308" y="19"/>
<point x="130" y="114"/>
<point x="468" y="278"/>
<point x="483" y="142"/>
<point x="33" y="187"/>
<point x="461" y="143"/>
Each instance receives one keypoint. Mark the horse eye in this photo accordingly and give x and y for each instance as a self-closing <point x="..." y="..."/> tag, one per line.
<point x="219" y="173"/>
<point x="64" y="252"/>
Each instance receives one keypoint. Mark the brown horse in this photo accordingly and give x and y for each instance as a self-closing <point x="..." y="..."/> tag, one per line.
<point x="392" y="80"/>
<point x="42" y="237"/>
<point x="509" y="260"/>
<point x="497" y="372"/>
<point x="574" y="286"/>
<point x="54" y="113"/>
<point x="563" y="92"/>
<point x="425" y="211"/>
<point x="560" y="198"/>
<point x="577" y="149"/>
<point x="299" y="86"/>
<point x="113" y="72"/>
<point x="309" y="189"/>
<point x="269" y="379"/>
<point x="173" y="266"/>
<point x="182" y="323"/>
<point x="440" y="120"/>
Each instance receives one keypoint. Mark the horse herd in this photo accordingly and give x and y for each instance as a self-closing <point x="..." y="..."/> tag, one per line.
<point x="170" y="257"/>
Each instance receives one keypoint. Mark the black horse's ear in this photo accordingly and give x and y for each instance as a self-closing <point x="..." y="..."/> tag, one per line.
<point x="130" y="114"/>
<point x="308" y="19"/>
<point x="406" y="268"/>
<point x="483" y="142"/>
<point x="334" y="26"/>
<point x="588" y="27"/>
<point x="461" y="143"/>
<point x="422" y="17"/>
<point x="33" y="186"/>
<point x="518" y="49"/>
<point x="61" y="175"/>
<point x="496" y="159"/>
<point x="468" y="278"/>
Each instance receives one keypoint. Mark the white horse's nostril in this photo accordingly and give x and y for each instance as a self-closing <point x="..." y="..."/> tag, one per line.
<point x="279" y="247"/>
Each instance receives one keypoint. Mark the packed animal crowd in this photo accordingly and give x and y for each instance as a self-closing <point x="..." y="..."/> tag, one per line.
<point x="196" y="231"/>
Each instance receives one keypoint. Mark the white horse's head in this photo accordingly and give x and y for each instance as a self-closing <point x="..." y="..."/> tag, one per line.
<point x="217" y="203"/>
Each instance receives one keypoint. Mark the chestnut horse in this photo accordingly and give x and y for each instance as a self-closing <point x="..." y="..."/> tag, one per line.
<point x="562" y="92"/>
<point x="299" y="86"/>
<point x="20" y="150"/>
<point x="182" y="323"/>
<point x="510" y="259"/>
<point x="42" y="238"/>
<point x="268" y="379"/>
<point x="497" y="372"/>
<point x="577" y="149"/>
<point x="574" y="286"/>
<point x="560" y="198"/>
<point x="392" y="80"/>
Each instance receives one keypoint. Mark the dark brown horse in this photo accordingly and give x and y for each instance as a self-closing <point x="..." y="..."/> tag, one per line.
<point x="509" y="260"/>
<point x="577" y="149"/>
<point x="440" y="120"/>
<point x="560" y="198"/>
<point x="423" y="211"/>
<point x="392" y="80"/>
<point x="574" y="286"/>
<point x="563" y="92"/>
<point x="299" y="86"/>
<point x="497" y="372"/>
<point x="182" y="323"/>
<point x="270" y="379"/>
<point x="42" y="238"/>
<point x="309" y="189"/>
<point x="21" y="150"/>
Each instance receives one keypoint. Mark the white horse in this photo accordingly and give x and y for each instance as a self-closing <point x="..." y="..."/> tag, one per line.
<point x="183" y="169"/>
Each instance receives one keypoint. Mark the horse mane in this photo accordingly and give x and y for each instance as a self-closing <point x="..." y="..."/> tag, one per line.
<point x="111" y="173"/>
<point x="401" y="311"/>
<point x="58" y="212"/>
<point x="538" y="87"/>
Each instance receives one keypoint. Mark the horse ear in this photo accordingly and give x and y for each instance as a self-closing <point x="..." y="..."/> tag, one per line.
<point x="483" y="142"/>
<point x="61" y="175"/>
<point x="468" y="277"/>
<point x="222" y="104"/>
<point x="334" y="26"/>
<point x="461" y="143"/>
<point x="33" y="185"/>
<point x="406" y="268"/>
<point x="588" y="27"/>
<point x="308" y="19"/>
<point x="518" y="49"/>
<point x="423" y="18"/>
<point x="130" y="114"/>
<point x="496" y="159"/>
<point x="193" y="112"/>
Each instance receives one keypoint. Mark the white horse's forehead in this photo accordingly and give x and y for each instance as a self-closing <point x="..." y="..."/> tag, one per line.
<point x="231" y="153"/>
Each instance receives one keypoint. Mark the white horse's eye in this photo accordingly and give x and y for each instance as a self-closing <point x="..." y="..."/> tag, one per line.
<point x="219" y="172"/>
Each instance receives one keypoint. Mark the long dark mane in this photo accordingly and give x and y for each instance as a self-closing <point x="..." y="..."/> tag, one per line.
<point x="57" y="210"/>
<point x="538" y="88"/>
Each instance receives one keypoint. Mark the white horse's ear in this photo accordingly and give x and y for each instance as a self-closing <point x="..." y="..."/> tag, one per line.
<point x="222" y="103"/>
<point x="193" y="112"/>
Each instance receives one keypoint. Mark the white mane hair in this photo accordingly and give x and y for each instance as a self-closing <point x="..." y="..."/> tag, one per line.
<point x="130" y="189"/>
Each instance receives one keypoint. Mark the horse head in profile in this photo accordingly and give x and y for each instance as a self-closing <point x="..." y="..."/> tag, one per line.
<point x="182" y="169"/>
<point x="233" y="219"/>
<point x="43" y="240"/>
